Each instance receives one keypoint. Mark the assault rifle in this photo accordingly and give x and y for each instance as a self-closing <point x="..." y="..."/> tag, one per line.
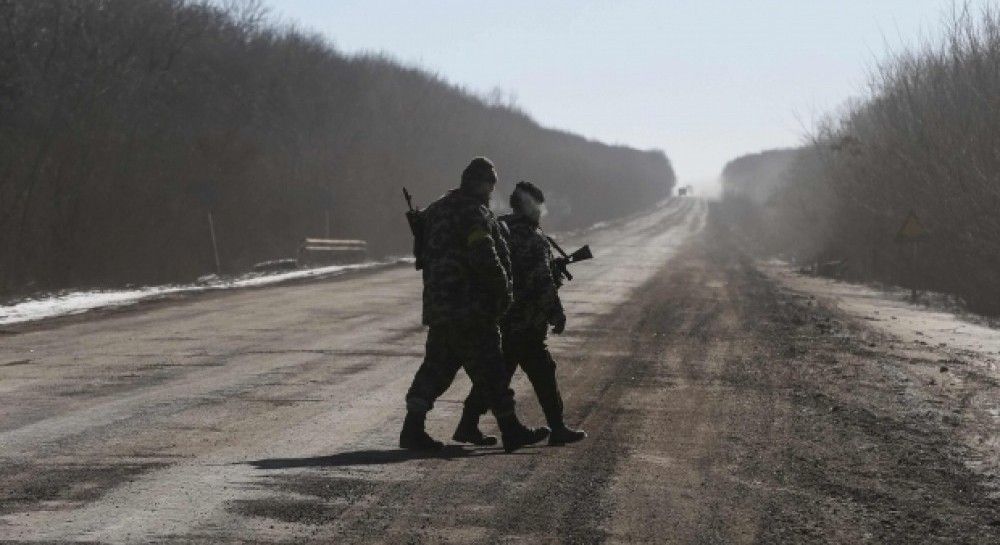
<point x="560" y="264"/>
<point x="416" y="222"/>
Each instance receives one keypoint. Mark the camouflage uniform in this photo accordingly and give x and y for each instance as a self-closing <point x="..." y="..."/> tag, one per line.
<point x="525" y="326"/>
<point x="467" y="288"/>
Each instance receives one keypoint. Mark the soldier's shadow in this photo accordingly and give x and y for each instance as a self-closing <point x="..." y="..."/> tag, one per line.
<point x="374" y="457"/>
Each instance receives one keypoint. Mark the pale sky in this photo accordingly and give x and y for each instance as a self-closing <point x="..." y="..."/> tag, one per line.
<point x="703" y="80"/>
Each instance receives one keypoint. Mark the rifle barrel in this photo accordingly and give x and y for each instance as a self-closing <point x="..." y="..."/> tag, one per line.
<point x="409" y="200"/>
<point x="558" y="248"/>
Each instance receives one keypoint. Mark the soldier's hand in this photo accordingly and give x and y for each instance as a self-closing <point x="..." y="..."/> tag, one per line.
<point x="558" y="323"/>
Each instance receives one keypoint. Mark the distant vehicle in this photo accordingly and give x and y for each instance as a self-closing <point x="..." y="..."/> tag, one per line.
<point x="315" y="252"/>
<point x="681" y="191"/>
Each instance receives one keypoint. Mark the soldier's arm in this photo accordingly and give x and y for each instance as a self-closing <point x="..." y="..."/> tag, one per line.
<point x="484" y="259"/>
<point x="536" y="267"/>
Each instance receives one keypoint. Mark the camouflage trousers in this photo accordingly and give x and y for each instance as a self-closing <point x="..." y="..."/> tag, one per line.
<point x="527" y="349"/>
<point x="469" y="345"/>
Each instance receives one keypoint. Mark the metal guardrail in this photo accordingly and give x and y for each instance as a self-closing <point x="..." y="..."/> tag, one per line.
<point x="326" y="251"/>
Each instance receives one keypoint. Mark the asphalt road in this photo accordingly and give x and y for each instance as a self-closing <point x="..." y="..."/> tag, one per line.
<point x="718" y="412"/>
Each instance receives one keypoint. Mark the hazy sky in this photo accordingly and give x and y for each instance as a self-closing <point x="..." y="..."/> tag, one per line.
<point x="704" y="80"/>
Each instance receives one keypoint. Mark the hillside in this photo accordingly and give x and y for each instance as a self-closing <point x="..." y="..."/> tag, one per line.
<point x="124" y="122"/>
<point x="756" y="176"/>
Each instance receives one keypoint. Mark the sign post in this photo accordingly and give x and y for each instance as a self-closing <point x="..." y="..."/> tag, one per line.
<point x="208" y="194"/>
<point x="215" y="245"/>
<point x="910" y="234"/>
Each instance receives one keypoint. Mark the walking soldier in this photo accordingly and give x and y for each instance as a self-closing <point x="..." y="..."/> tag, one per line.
<point x="536" y="306"/>
<point x="467" y="288"/>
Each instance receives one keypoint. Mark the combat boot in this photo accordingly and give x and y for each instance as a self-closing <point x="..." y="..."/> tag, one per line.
<point x="468" y="431"/>
<point x="413" y="436"/>
<point x="515" y="435"/>
<point x="562" y="435"/>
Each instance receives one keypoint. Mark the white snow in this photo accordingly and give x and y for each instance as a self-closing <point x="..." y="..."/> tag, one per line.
<point x="888" y="311"/>
<point x="78" y="302"/>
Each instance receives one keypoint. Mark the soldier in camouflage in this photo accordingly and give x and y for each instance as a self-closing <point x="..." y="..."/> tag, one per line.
<point x="467" y="288"/>
<point x="525" y="326"/>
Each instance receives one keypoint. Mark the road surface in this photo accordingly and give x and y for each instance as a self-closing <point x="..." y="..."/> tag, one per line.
<point x="722" y="407"/>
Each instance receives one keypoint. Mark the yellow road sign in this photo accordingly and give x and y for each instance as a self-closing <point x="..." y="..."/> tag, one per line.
<point x="911" y="230"/>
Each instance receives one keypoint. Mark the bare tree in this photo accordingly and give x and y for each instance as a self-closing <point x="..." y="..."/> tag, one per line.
<point x="122" y="122"/>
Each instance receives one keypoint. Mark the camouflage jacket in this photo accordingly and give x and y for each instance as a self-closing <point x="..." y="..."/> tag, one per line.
<point x="536" y="296"/>
<point x="466" y="261"/>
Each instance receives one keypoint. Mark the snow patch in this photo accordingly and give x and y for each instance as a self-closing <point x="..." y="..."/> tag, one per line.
<point x="887" y="310"/>
<point x="78" y="302"/>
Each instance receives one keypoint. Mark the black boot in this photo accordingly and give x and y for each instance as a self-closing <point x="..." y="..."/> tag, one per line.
<point x="515" y="435"/>
<point x="562" y="435"/>
<point x="468" y="430"/>
<point x="413" y="436"/>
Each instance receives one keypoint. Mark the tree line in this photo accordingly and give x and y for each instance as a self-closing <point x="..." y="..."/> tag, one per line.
<point x="925" y="138"/>
<point x="124" y="122"/>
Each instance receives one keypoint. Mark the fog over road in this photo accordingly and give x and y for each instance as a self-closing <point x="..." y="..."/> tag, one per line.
<point x="721" y="407"/>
